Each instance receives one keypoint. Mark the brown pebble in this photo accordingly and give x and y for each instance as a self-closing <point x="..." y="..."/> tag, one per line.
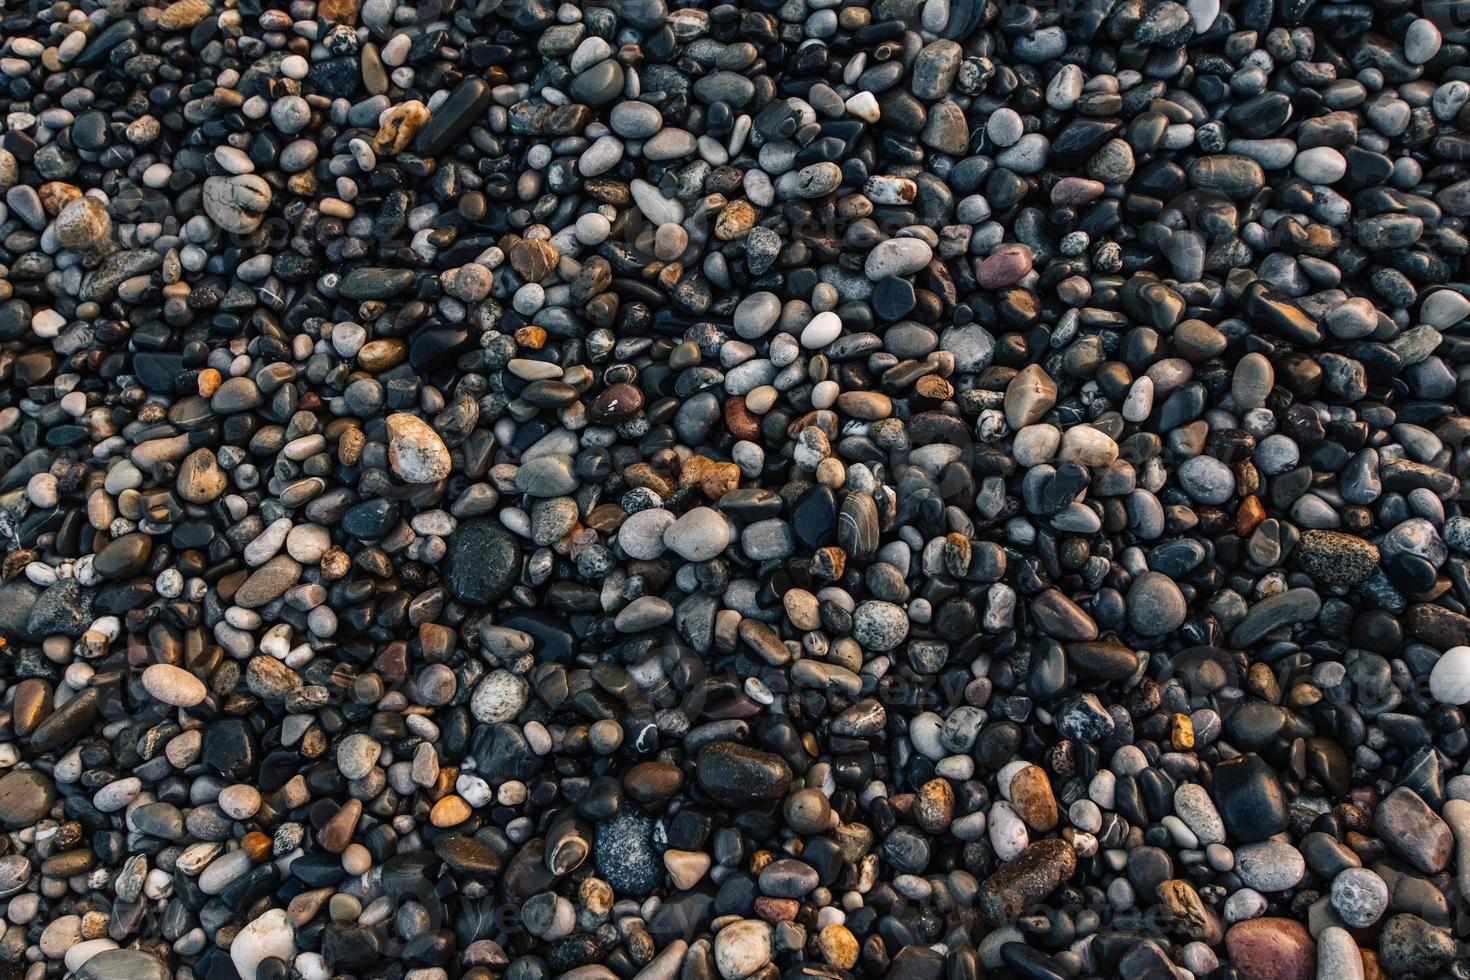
<point x="1025" y="880"/>
<point x="741" y="421"/>
<point x="808" y="811"/>
<point x="1031" y="795"/>
<point x="208" y="382"/>
<point x="533" y="258"/>
<point x="200" y="478"/>
<point x="713" y="477"/>
<point x="616" y="403"/>
<point x="338" y="11"/>
<point x="934" y="806"/>
<point x="606" y="518"/>
<point x="531" y="337"/>
<point x="1192" y="916"/>
<point x="382" y="355"/>
<point x="1248" y="515"/>
<point x="653" y="782"/>
<point x="336" y="833"/>
<point x="56" y="195"/>
<point x="26" y="796"/>
<point x="775" y="910"/>
<point x="866" y="405"/>
<point x="69" y="863"/>
<point x="31" y="706"/>
<point x="838" y="945"/>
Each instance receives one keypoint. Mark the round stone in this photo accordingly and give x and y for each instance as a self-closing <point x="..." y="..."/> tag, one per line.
<point x="1156" y="606"/>
<point x="1449" y="679"/>
<point x="1359" y="896"/>
<point x="741" y="948"/>
<point x="880" y="625"/>
<point x="173" y="685"/>
<point x="699" y="535"/>
<point x="499" y="697"/>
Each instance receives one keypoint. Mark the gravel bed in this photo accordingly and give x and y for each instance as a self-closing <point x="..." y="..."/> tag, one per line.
<point x="773" y="489"/>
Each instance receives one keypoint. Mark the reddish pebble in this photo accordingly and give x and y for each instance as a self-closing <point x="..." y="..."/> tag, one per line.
<point x="1271" y="949"/>
<point x="1006" y="266"/>
<point x="1069" y="192"/>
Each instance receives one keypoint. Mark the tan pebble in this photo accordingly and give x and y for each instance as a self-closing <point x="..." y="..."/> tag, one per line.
<point x="349" y="446"/>
<point x="838" y="945"/>
<point x="398" y="127"/>
<point x="416" y="452"/>
<point x="802" y="608"/>
<point x="382" y="355"/>
<point x="713" y="477"/>
<point x="200" y="479"/>
<point x="184" y="13"/>
<point x="356" y="859"/>
<point x="735" y="221"/>
<point x="760" y="400"/>
<point x="865" y="405"/>
<point x="335" y="564"/>
<point x="449" y="812"/>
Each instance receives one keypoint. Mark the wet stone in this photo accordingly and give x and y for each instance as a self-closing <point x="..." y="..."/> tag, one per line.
<point x="734" y="774"/>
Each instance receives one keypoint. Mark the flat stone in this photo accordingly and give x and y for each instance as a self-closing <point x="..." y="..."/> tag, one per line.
<point x="1272" y="949"/>
<point x="26" y="797"/>
<point x="1413" y="830"/>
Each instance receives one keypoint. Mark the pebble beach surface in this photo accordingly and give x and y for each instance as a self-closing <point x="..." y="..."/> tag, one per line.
<point x="774" y="489"/>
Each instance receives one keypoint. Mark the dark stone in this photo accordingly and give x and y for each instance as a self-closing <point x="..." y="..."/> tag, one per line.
<point x="482" y="562"/>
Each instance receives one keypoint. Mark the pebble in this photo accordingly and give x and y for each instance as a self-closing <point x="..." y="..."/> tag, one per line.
<point x="1338" y="955"/>
<point x="698" y="535"/>
<point x="237" y="204"/>
<point x="742" y="947"/>
<point x="1359" y="896"/>
<point x="1412" y="947"/>
<point x="173" y="685"/>
<point x="269" y="935"/>
<point x="26" y="797"/>
<point x="1449" y="679"/>
<point x="1272" y="949"/>
<point x="1411" y="828"/>
<point x="415" y="451"/>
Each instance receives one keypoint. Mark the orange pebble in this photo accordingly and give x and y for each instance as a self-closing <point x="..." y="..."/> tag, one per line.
<point x="257" y="845"/>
